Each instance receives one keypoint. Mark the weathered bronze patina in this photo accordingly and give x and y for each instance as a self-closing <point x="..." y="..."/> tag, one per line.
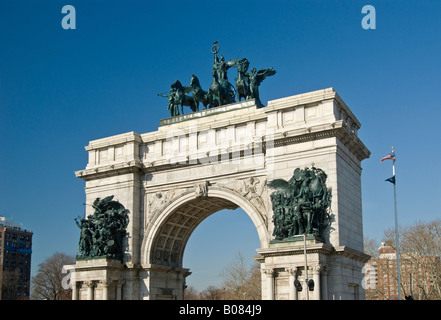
<point x="103" y="231"/>
<point x="221" y="91"/>
<point x="300" y="205"/>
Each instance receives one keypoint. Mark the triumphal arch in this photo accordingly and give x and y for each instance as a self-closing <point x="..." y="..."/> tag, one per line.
<point x="294" y="167"/>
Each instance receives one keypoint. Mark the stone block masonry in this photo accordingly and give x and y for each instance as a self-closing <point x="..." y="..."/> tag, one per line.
<point x="195" y="165"/>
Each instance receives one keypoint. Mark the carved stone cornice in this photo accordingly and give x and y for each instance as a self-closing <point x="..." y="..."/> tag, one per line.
<point x="90" y="264"/>
<point x="320" y="248"/>
<point x="166" y="269"/>
<point x="351" y="253"/>
<point x="215" y="157"/>
<point x="110" y="170"/>
<point x="339" y="129"/>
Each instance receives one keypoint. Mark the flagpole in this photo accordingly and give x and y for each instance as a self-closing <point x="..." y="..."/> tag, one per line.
<point x="397" y="241"/>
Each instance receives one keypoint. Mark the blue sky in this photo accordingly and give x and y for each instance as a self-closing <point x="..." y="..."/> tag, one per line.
<point x="59" y="89"/>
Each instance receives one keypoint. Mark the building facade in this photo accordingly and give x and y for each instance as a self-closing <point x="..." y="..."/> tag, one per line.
<point x="15" y="261"/>
<point x="196" y="164"/>
<point x="418" y="275"/>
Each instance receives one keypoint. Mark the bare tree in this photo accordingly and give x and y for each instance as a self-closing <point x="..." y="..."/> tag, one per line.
<point x="213" y="293"/>
<point x="47" y="283"/>
<point x="371" y="247"/>
<point x="420" y="252"/>
<point x="242" y="282"/>
<point x="190" y="293"/>
<point x="253" y="286"/>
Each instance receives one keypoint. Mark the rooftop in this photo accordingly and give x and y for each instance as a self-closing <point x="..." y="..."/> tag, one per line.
<point x="8" y="223"/>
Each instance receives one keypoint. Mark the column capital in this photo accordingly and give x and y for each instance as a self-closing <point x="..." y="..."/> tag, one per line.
<point x="268" y="271"/>
<point x="118" y="283"/>
<point x="326" y="269"/>
<point x="291" y="270"/>
<point x="317" y="268"/>
<point x="106" y="282"/>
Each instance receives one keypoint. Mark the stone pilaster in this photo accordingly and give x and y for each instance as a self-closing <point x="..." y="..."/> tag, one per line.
<point x="293" y="294"/>
<point x="269" y="273"/>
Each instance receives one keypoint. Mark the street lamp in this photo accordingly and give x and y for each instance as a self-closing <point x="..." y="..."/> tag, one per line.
<point x="309" y="283"/>
<point x="306" y="265"/>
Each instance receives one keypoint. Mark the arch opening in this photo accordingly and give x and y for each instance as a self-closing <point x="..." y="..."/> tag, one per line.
<point x="177" y="222"/>
<point x="215" y="245"/>
<point x="169" y="231"/>
<point x="172" y="237"/>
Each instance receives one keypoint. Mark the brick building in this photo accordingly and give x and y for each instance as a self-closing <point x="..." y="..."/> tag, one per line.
<point x="15" y="261"/>
<point x="418" y="275"/>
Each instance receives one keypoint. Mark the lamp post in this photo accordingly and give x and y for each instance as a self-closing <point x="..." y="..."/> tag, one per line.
<point x="306" y="266"/>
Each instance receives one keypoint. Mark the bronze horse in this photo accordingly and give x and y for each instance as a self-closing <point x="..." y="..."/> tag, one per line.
<point x="181" y="98"/>
<point x="199" y="95"/>
<point x="242" y="88"/>
<point x="221" y="91"/>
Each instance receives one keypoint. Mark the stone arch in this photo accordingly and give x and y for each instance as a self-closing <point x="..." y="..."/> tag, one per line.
<point x="165" y="242"/>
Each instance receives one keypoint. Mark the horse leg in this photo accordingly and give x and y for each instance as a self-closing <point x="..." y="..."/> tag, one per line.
<point x="196" y="103"/>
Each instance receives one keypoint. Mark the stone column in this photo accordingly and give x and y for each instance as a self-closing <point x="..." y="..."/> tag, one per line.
<point x="105" y="284"/>
<point x="75" y="290"/>
<point x="119" y="290"/>
<point x="269" y="272"/>
<point x="90" y="286"/>
<point x="324" y="283"/>
<point x="292" y="288"/>
<point x="316" y="277"/>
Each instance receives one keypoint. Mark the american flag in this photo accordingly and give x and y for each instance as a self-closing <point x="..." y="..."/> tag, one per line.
<point x="390" y="156"/>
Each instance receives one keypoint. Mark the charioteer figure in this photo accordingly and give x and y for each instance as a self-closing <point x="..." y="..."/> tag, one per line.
<point x="221" y="91"/>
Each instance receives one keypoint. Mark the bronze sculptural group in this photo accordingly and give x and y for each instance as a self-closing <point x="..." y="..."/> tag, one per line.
<point x="103" y="231"/>
<point x="300" y="205"/>
<point x="221" y="91"/>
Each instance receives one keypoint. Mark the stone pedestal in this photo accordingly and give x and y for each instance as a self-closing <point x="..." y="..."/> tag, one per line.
<point x="163" y="282"/>
<point x="97" y="279"/>
<point x="334" y="270"/>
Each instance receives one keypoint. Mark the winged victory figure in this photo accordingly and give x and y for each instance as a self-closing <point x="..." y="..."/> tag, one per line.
<point x="255" y="79"/>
